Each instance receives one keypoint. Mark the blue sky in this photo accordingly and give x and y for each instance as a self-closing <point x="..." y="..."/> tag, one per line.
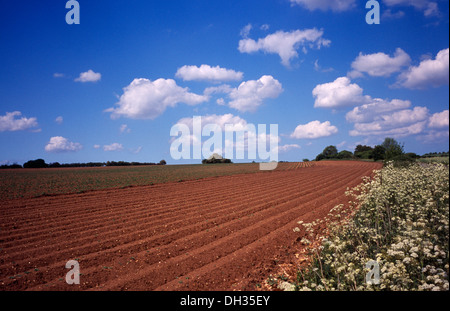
<point x="112" y="87"/>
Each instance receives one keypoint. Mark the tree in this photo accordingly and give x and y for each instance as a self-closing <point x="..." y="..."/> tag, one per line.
<point x="364" y="152"/>
<point x="162" y="162"/>
<point x="344" y="154"/>
<point x="378" y="153"/>
<point x="320" y="157"/>
<point x="392" y="148"/>
<point x="39" y="163"/>
<point x="361" y="148"/>
<point x="330" y="152"/>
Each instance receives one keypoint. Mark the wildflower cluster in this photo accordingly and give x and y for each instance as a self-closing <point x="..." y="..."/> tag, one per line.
<point x="400" y="220"/>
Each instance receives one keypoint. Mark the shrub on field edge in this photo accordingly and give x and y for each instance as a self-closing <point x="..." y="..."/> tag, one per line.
<point x="399" y="219"/>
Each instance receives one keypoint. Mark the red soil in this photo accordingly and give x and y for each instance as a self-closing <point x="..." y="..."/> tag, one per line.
<point x="223" y="233"/>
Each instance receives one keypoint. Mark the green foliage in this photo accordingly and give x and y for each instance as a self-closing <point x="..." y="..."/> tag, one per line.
<point x="393" y="148"/>
<point x="344" y="154"/>
<point x="330" y="152"/>
<point x="368" y="154"/>
<point x="403" y="160"/>
<point x="361" y="148"/>
<point x="379" y="153"/>
<point x="320" y="157"/>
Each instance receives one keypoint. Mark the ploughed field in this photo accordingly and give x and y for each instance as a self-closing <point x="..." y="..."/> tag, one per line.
<point x="225" y="232"/>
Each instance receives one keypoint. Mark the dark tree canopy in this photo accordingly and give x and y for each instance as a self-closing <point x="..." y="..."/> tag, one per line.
<point x="361" y="148"/>
<point x="378" y="153"/>
<point x="392" y="148"/>
<point x="330" y="152"/>
<point x="39" y="163"/>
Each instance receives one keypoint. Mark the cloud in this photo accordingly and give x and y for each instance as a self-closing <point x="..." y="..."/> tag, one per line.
<point x="59" y="120"/>
<point x="89" y="76"/>
<point x="369" y="112"/>
<point x="238" y="123"/>
<point x="113" y="147"/>
<point x="429" y="8"/>
<point x="137" y="150"/>
<point x="379" y="64"/>
<point x="10" y="122"/>
<point x="250" y="94"/>
<point x="439" y="120"/>
<point x="60" y="144"/>
<point x="318" y="68"/>
<point x="429" y="73"/>
<point x="287" y="148"/>
<point x="434" y="136"/>
<point x="285" y="44"/>
<point x="145" y="99"/>
<point x="314" y="130"/>
<point x="397" y="124"/>
<point x="58" y="75"/>
<point x="208" y="73"/>
<point x="389" y="15"/>
<point x="124" y="129"/>
<point x="246" y="31"/>
<point x="324" y="5"/>
<point x="339" y="93"/>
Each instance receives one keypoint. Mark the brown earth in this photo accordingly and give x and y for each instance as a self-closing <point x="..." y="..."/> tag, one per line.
<point x="223" y="233"/>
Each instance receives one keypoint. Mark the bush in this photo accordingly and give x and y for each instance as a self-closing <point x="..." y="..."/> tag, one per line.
<point x="400" y="220"/>
<point x="402" y="160"/>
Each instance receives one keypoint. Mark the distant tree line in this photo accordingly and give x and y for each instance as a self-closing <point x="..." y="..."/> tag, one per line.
<point x="390" y="149"/>
<point x="40" y="163"/>
<point x="435" y="154"/>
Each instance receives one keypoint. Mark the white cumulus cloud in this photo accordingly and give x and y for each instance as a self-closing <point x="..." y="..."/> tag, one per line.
<point x="314" y="130"/>
<point x="368" y="112"/>
<point x="12" y="122"/>
<point x="61" y="144"/>
<point x="89" y="76"/>
<point x="439" y="120"/>
<point x="250" y="94"/>
<point x="380" y="64"/>
<point x="339" y="93"/>
<point x="285" y="44"/>
<point x="397" y="124"/>
<point x="145" y="99"/>
<point x="208" y="73"/>
<point x="429" y="73"/>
